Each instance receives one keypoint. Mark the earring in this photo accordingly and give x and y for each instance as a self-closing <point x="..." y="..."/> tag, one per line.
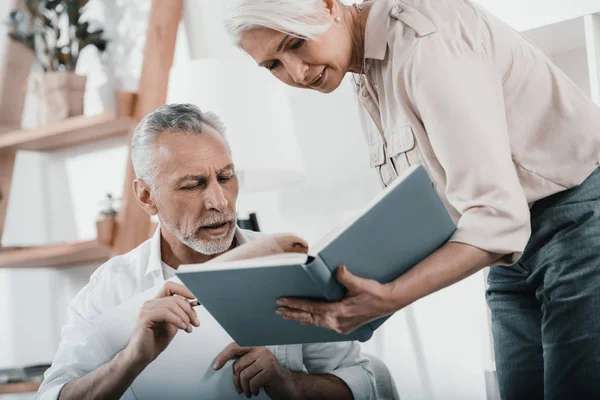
<point x="337" y="19"/>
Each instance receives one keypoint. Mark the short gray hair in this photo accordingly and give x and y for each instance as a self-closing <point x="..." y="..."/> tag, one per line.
<point x="167" y="119"/>
<point x="301" y="18"/>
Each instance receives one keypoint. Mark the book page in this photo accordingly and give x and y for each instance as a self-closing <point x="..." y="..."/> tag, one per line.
<point x="273" y="260"/>
<point x="265" y="246"/>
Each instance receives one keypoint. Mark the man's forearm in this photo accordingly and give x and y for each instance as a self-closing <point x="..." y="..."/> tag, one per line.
<point x="327" y="386"/>
<point x="110" y="381"/>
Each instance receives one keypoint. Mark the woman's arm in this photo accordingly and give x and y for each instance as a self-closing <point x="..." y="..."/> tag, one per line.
<point x="449" y="264"/>
<point x="368" y="300"/>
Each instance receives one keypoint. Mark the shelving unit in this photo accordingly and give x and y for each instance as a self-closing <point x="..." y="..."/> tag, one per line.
<point x="20" y="387"/>
<point x="158" y="59"/>
<point x="70" y="132"/>
<point x="60" y="255"/>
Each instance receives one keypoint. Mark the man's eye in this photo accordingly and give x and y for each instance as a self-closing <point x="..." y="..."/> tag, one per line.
<point x="297" y="44"/>
<point x="192" y="187"/>
<point x="273" y="65"/>
<point x="225" y="178"/>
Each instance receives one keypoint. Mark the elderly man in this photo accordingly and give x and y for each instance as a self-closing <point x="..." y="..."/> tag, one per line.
<point x="186" y="176"/>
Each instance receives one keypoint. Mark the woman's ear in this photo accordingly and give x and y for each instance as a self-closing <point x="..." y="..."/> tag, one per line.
<point x="144" y="197"/>
<point x="331" y="6"/>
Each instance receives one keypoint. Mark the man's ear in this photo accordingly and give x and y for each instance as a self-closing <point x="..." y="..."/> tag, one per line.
<point x="143" y="195"/>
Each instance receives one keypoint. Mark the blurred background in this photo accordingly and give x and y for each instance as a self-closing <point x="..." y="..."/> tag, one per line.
<point x="64" y="158"/>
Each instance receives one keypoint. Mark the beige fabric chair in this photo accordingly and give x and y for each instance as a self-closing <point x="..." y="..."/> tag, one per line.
<point x="386" y="389"/>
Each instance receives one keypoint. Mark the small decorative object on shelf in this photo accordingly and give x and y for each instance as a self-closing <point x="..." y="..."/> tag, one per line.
<point x="107" y="221"/>
<point x="57" y="31"/>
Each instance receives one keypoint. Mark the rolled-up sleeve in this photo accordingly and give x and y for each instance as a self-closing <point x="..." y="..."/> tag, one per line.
<point x="345" y="361"/>
<point x="459" y="98"/>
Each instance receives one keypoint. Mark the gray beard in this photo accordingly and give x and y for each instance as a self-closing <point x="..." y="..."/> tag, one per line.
<point x="215" y="245"/>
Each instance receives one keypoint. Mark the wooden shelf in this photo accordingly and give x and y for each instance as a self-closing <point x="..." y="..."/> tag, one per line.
<point x="70" y="132"/>
<point x="20" y="387"/>
<point x="60" y="255"/>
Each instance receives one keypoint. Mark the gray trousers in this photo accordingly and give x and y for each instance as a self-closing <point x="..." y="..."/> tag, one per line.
<point x="546" y="307"/>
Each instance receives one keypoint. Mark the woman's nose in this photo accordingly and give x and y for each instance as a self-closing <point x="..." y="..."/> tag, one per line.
<point x="297" y="71"/>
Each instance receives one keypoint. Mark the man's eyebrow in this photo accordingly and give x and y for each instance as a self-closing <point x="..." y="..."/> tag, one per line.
<point x="229" y="167"/>
<point x="190" y="177"/>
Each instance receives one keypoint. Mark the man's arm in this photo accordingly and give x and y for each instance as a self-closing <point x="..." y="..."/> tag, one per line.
<point x="344" y="361"/>
<point x="258" y="368"/>
<point x="330" y="387"/>
<point x="111" y="380"/>
<point x="159" y="321"/>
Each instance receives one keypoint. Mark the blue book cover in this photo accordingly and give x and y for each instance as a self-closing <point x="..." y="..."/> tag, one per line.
<point x="400" y="227"/>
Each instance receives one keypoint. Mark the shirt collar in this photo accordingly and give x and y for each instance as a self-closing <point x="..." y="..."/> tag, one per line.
<point x="378" y="24"/>
<point x="155" y="257"/>
<point x="376" y="31"/>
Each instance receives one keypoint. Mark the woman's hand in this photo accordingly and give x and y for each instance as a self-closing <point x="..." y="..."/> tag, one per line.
<point x="366" y="300"/>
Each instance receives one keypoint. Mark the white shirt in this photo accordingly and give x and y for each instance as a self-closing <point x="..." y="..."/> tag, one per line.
<point x="132" y="273"/>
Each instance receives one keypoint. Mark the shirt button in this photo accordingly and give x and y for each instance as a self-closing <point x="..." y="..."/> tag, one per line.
<point x="364" y="94"/>
<point x="396" y="11"/>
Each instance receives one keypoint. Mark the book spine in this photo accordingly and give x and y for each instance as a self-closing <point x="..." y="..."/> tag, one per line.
<point x="325" y="281"/>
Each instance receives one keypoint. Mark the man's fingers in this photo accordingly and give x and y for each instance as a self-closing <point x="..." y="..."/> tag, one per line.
<point x="242" y="363"/>
<point x="228" y="352"/>
<point x="238" y="366"/>
<point x="259" y="380"/>
<point x="168" y="316"/>
<point x="171" y="288"/>
<point x="247" y="374"/>
<point x="174" y="307"/>
<point x="236" y="382"/>
<point x="187" y="308"/>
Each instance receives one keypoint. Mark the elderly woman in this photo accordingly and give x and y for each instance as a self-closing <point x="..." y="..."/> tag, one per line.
<point x="511" y="144"/>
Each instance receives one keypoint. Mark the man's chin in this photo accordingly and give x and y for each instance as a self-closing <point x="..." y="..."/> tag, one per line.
<point x="214" y="241"/>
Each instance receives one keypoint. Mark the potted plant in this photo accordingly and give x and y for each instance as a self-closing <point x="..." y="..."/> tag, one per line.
<point x="107" y="221"/>
<point x="57" y="31"/>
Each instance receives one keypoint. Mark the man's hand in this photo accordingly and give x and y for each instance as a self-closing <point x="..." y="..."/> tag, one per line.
<point x="159" y="321"/>
<point x="257" y="367"/>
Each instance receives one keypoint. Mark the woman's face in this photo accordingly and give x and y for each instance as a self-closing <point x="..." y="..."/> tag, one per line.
<point x="318" y="64"/>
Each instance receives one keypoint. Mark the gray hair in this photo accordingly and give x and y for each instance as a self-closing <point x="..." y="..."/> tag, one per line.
<point x="167" y="119"/>
<point x="301" y="18"/>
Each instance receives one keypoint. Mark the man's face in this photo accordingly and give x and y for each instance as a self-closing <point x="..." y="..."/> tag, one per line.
<point x="196" y="189"/>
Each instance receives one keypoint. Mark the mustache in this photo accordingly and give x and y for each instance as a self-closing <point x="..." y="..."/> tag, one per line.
<point x="216" y="219"/>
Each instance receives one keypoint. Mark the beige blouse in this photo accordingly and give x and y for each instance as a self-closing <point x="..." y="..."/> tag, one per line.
<point x="496" y="125"/>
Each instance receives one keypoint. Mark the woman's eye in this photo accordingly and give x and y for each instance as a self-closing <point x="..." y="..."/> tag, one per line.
<point x="273" y="65"/>
<point x="297" y="43"/>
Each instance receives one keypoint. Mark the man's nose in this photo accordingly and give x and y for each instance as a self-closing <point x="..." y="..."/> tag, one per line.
<point x="215" y="198"/>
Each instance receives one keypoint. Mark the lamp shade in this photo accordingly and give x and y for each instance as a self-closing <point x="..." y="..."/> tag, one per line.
<point x="256" y="113"/>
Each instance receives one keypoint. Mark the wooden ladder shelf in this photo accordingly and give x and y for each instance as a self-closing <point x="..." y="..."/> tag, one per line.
<point x="158" y="59"/>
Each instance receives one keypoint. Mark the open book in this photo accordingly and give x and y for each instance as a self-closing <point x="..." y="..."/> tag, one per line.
<point x="400" y="227"/>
